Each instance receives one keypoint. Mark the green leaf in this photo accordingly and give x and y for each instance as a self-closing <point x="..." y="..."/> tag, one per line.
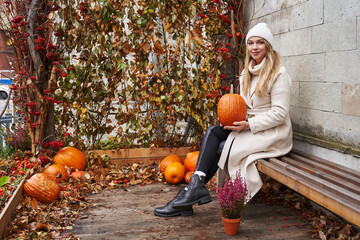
<point x="4" y="180"/>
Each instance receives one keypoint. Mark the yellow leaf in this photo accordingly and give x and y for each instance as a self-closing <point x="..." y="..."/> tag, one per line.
<point x="151" y="66"/>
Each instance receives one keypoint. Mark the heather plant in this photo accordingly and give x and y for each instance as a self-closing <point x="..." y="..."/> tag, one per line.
<point x="232" y="197"/>
<point x="19" y="138"/>
<point x="6" y="149"/>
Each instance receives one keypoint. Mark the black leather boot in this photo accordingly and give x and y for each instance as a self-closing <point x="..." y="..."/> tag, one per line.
<point x="169" y="211"/>
<point x="196" y="193"/>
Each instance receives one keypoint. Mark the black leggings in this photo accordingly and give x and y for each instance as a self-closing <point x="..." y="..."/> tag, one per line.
<point x="210" y="150"/>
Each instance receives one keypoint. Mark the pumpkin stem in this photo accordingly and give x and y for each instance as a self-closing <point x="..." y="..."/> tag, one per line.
<point x="231" y="88"/>
<point x="59" y="175"/>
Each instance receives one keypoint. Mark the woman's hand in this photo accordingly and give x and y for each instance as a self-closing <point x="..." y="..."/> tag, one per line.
<point x="238" y="126"/>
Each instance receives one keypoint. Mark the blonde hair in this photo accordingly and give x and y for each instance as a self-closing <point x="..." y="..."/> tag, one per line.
<point x="267" y="74"/>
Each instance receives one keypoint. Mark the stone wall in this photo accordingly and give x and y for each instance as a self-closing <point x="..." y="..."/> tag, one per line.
<point x="319" y="41"/>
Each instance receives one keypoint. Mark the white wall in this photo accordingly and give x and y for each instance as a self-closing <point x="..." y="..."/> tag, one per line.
<point x="319" y="41"/>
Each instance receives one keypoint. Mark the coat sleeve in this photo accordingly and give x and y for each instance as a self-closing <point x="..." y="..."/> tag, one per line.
<point x="280" y="94"/>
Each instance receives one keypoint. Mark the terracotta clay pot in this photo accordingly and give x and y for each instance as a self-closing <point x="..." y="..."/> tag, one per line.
<point x="231" y="225"/>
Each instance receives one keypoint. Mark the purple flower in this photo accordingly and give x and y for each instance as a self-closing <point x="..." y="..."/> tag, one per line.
<point x="232" y="197"/>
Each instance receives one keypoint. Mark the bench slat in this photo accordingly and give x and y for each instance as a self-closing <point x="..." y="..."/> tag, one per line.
<point x="319" y="182"/>
<point x="325" y="162"/>
<point x="327" y="169"/>
<point x="318" y="173"/>
<point x="336" y="204"/>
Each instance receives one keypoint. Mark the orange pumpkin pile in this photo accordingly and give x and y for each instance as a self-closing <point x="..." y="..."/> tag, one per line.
<point x="57" y="172"/>
<point x="175" y="171"/>
<point x="191" y="161"/>
<point x="44" y="187"/>
<point x="167" y="160"/>
<point x="71" y="157"/>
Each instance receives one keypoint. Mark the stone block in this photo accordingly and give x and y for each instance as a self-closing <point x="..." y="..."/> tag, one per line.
<point x="289" y="3"/>
<point x="276" y="21"/>
<point x="351" y="99"/>
<point x="335" y="35"/>
<point x="358" y="31"/>
<point x="295" y="94"/>
<point x="304" y="68"/>
<point x="343" y="127"/>
<point x="305" y="119"/>
<point x="248" y="11"/>
<point x="320" y="96"/>
<point x="331" y="155"/>
<point x="337" y="11"/>
<point x="262" y="8"/>
<point x="296" y="42"/>
<point x="306" y="14"/>
<point x="343" y="66"/>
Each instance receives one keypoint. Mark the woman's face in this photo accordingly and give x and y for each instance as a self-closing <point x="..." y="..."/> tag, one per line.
<point x="257" y="49"/>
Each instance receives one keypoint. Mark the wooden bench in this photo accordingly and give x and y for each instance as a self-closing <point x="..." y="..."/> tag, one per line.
<point x="332" y="186"/>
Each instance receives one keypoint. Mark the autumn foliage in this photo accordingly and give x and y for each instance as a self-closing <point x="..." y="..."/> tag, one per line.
<point x="138" y="69"/>
<point x="28" y="28"/>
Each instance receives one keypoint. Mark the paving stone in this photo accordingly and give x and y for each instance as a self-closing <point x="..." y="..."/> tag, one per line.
<point x="119" y="214"/>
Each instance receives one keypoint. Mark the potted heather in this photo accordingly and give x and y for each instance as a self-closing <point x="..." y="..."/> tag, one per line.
<point x="232" y="197"/>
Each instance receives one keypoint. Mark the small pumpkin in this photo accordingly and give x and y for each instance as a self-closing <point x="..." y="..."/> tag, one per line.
<point x="57" y="172"/>
<point x="76" y="174"/>
<point x="191" y="161"/>
<point x="167" y="160"/>
<point x="42" y="188"/>
<point x="188" y="176"/>
<point x="231" y="108"/>
<point x="174" y="173"/>
<point x="71" y="157"/>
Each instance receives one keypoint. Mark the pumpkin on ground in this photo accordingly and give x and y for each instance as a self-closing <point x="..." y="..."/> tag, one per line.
<point x="57" y="172"/>
<point x="71" y="157"/>
<point x="76" y="174"/>
<point x="167" y="160"/>
<point x="188" y="176"/>
<point x="231" y="108"/>
<point x="174" y="173"/>
<point x="42" y="188"/>
<point x="191" y="161"/>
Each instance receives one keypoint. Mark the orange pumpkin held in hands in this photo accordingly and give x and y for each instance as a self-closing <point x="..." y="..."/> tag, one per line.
<point x="231" y="108"/>
<point x="42" y="188"/>
<point x="188" y="176"/>
<point x="71" y="157"/>
<point x="174" y="173"/>
<point x="191" y="161"/>
<point x="167" y="160"/>
<point x="57" y="172"/>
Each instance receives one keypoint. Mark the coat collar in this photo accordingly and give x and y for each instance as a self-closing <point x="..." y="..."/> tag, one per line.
<point x="255" y="71"/>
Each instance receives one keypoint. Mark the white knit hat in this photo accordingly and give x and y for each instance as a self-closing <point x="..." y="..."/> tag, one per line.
<point x="261" y="30"/>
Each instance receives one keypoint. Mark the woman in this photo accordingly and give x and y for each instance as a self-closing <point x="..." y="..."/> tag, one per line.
<point x="266" y="88"/>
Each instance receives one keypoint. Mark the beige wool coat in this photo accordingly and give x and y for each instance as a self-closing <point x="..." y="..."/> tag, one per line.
<point x="270" y="133"/>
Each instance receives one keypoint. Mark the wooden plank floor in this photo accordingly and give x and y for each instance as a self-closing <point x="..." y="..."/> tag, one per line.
<point x="119" y="214"/>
